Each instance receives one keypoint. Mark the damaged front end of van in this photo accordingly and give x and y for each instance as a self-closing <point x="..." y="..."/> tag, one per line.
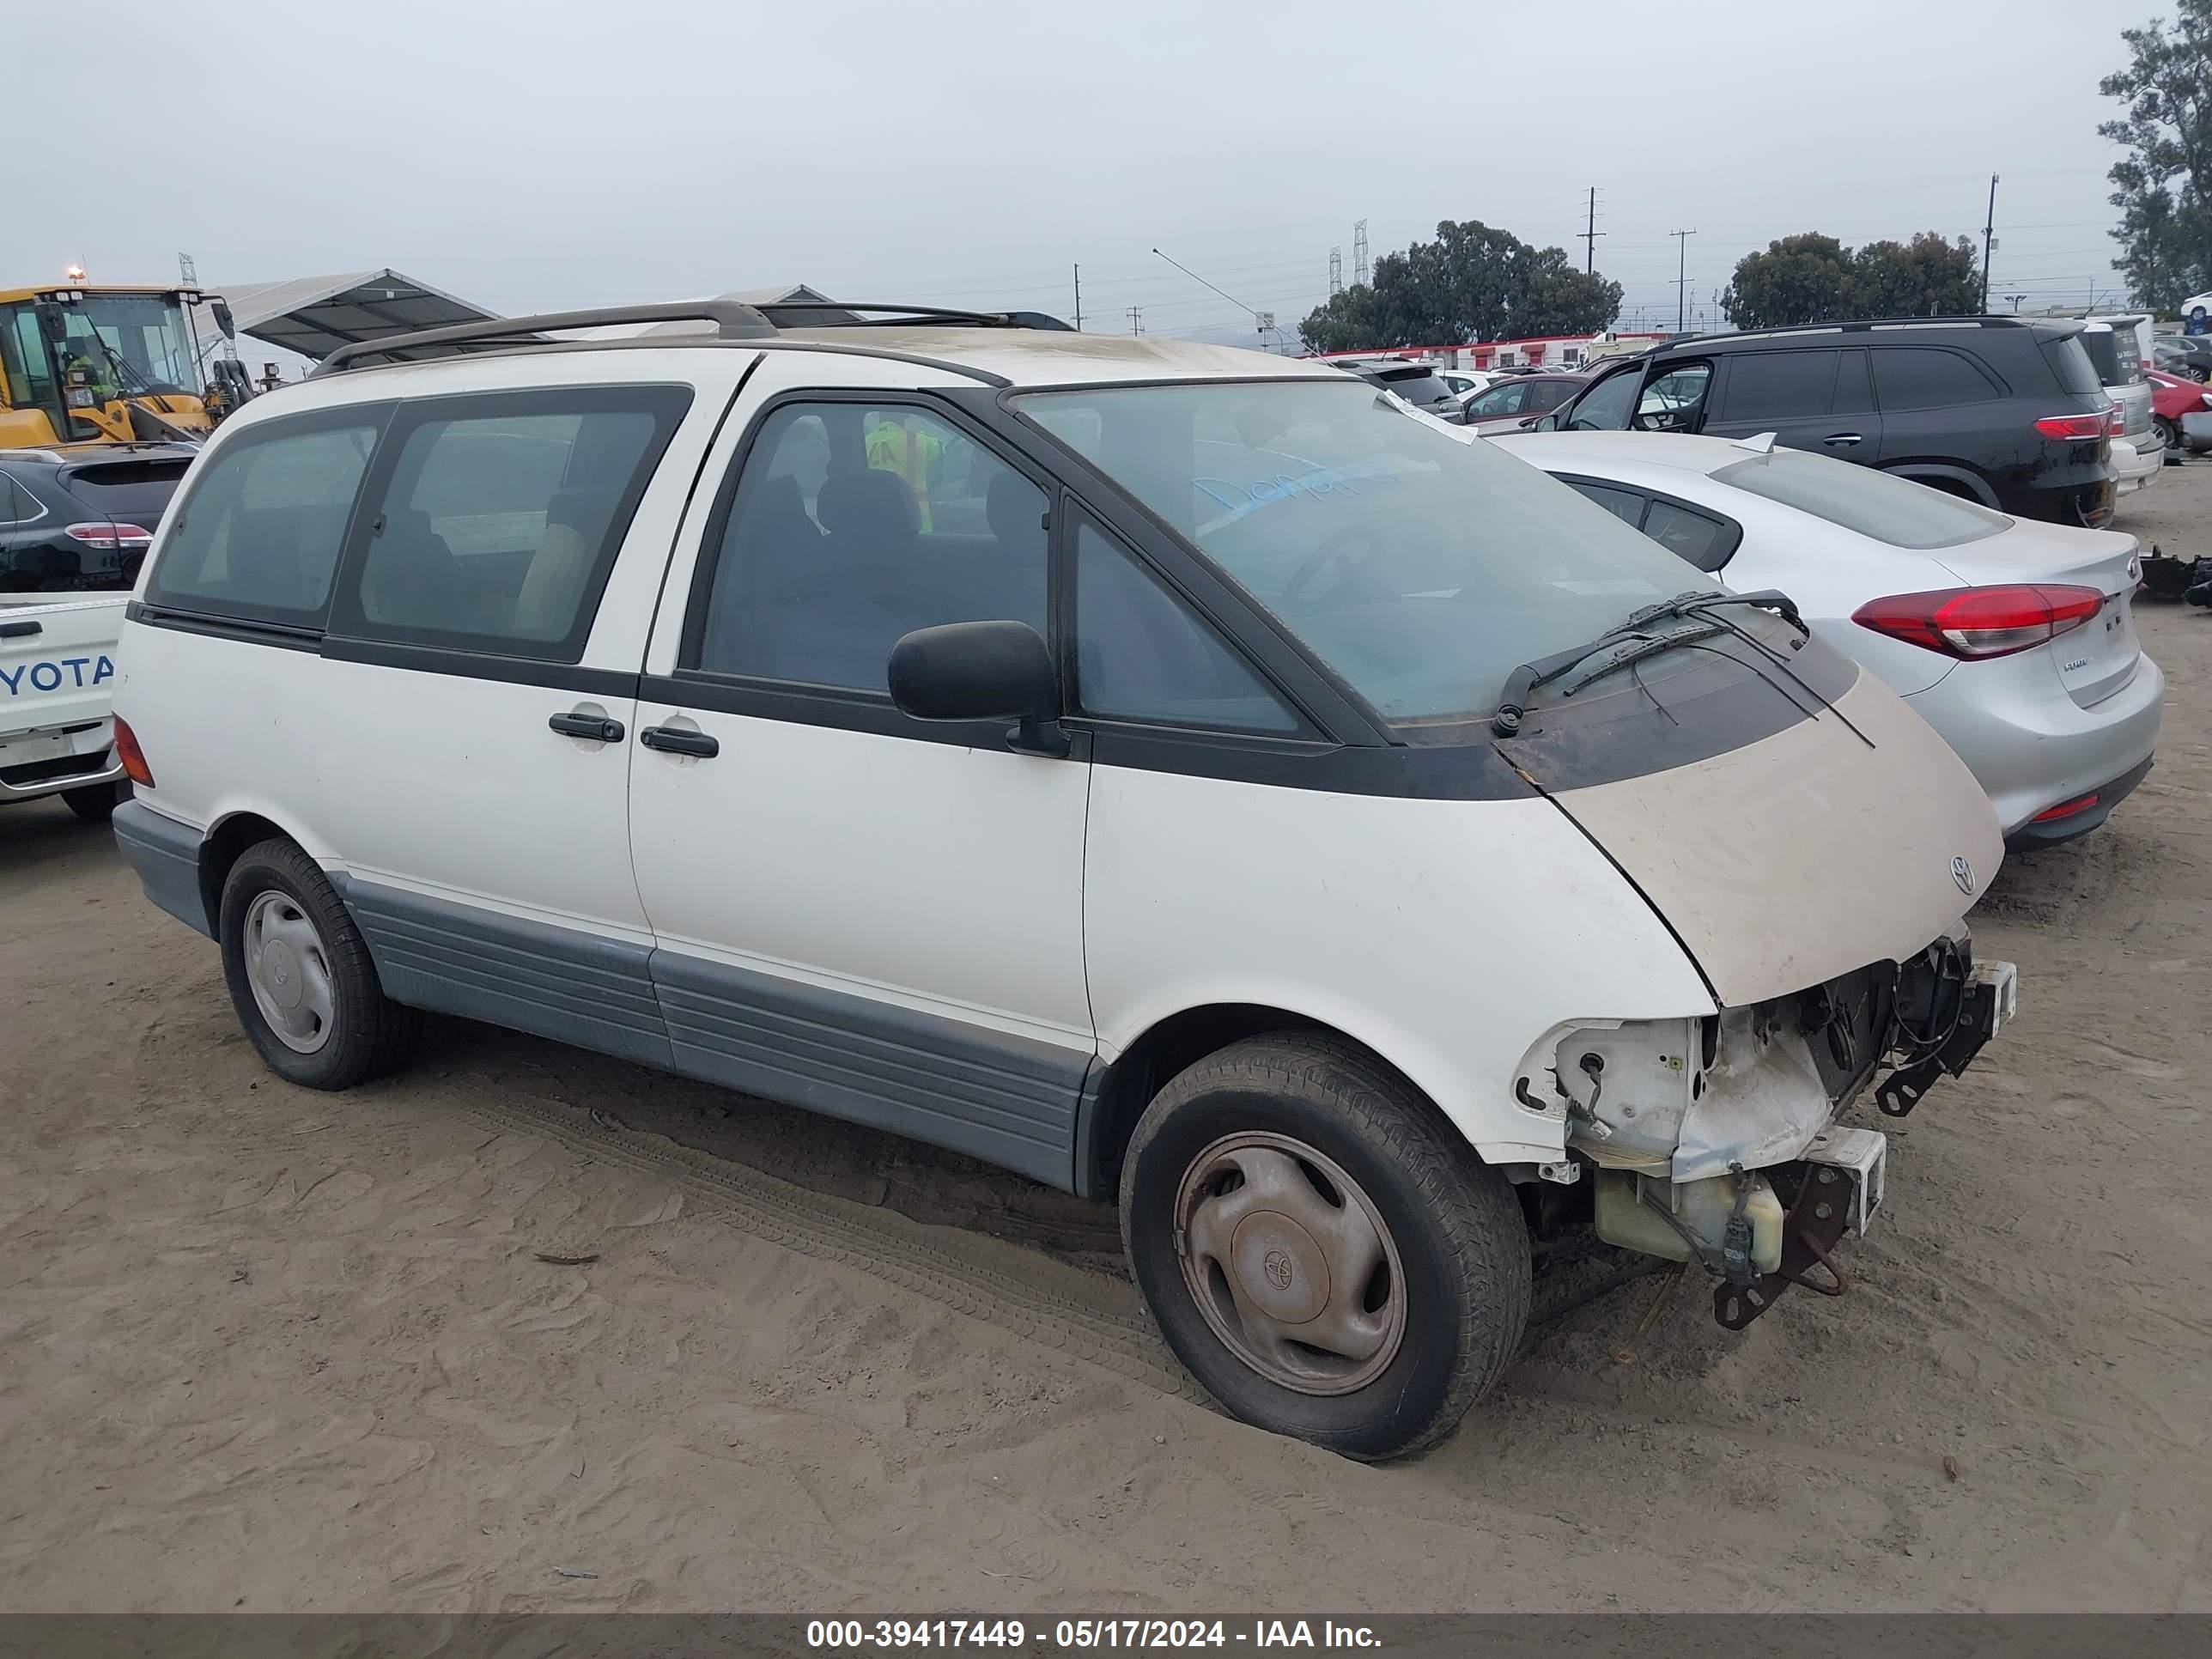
<point x="1818" y="877"/>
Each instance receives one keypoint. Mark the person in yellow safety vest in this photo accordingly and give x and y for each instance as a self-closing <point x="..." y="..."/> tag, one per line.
<point x="88" y="368"/>
<point x="893" y="446"/>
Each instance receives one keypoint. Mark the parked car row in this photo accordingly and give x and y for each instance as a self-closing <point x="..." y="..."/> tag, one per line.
<point x="1179" y="775"/>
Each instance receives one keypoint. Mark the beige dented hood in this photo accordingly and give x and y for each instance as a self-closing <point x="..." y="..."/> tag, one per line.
<point x="1808" y="854"/>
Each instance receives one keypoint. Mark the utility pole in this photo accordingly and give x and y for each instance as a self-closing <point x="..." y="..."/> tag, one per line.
<point x="1336" y="272"/>
<point x="1682" y="276"/>
<point x="1359" y="252"/>
<point x="1589" y="236"/>
<point x="1136" y="319"/>
<point x="1989" y="241"/>
<point x="1078" y="299"/>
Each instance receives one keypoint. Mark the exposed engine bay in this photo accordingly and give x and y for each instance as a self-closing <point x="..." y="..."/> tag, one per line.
<point x="1714" y="1139"/>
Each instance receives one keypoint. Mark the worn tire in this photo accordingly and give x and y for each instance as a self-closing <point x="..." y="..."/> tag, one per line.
<point x="369" y="1034"/>
<point x="1455" y="1224"/>
<point x="96" y="802"/>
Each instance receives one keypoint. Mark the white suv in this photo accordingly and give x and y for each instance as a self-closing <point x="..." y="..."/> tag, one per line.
<point x="1176" y="774"/>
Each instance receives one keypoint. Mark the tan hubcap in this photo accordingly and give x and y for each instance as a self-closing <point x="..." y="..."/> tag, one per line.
<point x="1291" y="1263"/>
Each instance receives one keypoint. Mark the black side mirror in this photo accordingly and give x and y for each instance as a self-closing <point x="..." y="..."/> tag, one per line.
<point x="981" y="670"/>
<point x="220" y="311"/>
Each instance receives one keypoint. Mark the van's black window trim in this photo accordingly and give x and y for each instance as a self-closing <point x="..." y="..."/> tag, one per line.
<point x="289" y="636"/>
<point x="378" y="415"/>
<point x="668" y="403"/>
<point x="507" y="670"/>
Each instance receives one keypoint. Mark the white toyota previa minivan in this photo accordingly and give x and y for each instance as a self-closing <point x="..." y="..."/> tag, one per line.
<point x="1185" y="776"/>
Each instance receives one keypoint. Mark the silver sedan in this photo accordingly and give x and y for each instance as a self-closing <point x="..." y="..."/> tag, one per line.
<point x="2014" y="640"/>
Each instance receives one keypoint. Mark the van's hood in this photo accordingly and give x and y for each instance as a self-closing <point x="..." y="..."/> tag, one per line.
<point x="1845" y="838"/>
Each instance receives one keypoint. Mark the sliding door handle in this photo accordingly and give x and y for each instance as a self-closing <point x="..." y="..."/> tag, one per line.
<point x="675" y="740"/>
<point x="597" y="727"/>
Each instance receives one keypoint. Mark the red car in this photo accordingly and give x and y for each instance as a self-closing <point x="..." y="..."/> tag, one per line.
<point x="2172" y="397"/>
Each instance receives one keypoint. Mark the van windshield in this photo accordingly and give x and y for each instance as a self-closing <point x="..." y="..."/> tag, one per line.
<point x="1420" y="563"/>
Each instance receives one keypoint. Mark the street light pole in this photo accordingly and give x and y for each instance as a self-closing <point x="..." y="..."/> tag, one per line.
<point x="1988" y="235"/>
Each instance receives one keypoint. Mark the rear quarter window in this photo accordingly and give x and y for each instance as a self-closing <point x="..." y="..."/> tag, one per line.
<point x="2077" y="375"/>
<point x="1928" y="377"/>
<point x="257" y="534"/>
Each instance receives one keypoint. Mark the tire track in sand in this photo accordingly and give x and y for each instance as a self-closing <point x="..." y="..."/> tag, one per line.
<point x="882" y="1244"/>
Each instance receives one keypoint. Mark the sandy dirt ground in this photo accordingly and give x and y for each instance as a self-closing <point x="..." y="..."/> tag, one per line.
<point x="268" y="1349"/>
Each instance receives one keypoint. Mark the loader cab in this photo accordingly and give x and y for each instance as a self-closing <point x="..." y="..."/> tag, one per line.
<point x="75" y="361"/>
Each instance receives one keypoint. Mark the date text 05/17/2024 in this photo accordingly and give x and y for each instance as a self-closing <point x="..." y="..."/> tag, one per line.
<point x="1077" y="1634"/>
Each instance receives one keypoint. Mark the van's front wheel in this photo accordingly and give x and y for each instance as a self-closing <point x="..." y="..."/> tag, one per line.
<point x="1320" y="1248"/>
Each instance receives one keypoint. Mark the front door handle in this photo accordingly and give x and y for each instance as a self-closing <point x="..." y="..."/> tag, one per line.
<point x="1842" y="439"/>
<point x="597" y="727"/>
<point x="675" y="740"/>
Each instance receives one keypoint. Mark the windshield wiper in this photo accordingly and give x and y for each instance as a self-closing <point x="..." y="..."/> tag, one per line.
<point x="1695" y="605"/>
<point x="1702" y="599"/>
<point x="1617" y="647"/>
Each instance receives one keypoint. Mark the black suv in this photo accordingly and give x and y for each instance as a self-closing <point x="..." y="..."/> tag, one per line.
<point x="2004" y="411"/>
<point x="78" y="519"/>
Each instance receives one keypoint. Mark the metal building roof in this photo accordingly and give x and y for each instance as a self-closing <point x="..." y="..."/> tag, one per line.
<point x="314" y="316"/>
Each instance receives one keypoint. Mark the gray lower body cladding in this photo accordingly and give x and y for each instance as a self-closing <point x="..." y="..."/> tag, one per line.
<point x="166" y="855"/>
<point x="1007" y="1099"/>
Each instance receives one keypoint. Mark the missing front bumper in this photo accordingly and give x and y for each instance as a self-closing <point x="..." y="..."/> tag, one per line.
<point x="1839" y="1187"/>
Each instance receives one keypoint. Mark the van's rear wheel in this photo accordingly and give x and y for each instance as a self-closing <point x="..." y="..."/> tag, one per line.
<point x="300" y="976"/>
<point x="1322" y="1251"/>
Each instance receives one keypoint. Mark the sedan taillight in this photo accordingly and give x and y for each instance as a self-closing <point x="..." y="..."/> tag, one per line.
<point x="1973" y="622"/>
<point x="109" y="536"/>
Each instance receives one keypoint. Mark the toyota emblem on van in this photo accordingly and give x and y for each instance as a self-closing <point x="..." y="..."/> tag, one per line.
<point x="1963" y="874"/>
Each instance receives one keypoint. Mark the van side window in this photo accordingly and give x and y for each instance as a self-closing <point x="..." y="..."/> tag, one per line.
<point x="1142" y="654"/>
<point x="257" y="534"/>
<point x="1922" y="377"/>
<point x="497" y="522"/>
<point x="852" y="525"/>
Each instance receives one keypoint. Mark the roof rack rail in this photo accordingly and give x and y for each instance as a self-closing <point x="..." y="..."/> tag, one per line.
<point x="733" y="320"/>
<point x="897" y="314"/>
<point x="1860" y="325"/>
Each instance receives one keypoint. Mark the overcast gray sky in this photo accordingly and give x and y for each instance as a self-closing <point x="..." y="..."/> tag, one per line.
<point x="555" y="155"/>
